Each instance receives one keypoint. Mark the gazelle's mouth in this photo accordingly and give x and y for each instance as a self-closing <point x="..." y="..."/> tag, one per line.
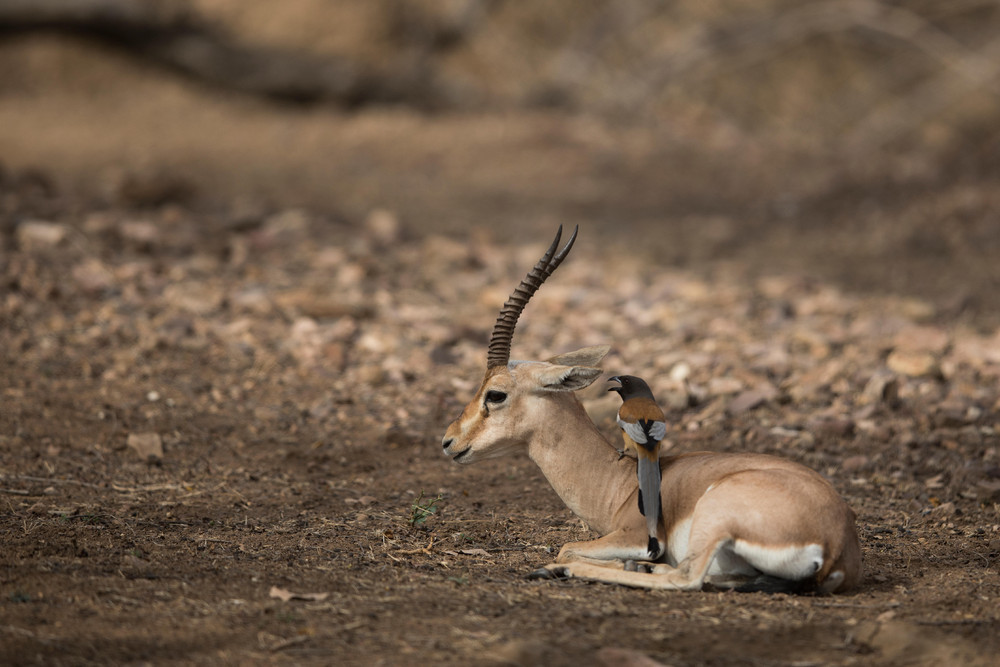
<point x="456" y="457"/>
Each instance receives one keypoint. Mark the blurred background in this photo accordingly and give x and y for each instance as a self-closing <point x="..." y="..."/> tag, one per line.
<point x="851" y="141"/>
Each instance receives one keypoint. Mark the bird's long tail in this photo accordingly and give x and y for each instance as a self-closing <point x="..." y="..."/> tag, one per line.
<point x="649" y="496"/>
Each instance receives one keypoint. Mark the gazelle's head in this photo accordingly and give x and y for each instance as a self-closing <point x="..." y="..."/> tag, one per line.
<point x="515" y="396"/>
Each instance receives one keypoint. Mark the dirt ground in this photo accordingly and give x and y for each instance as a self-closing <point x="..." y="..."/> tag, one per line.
<point x="232" y="334"/>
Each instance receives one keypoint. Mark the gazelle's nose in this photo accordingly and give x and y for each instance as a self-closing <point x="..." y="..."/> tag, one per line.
<point x="446" y="442"/>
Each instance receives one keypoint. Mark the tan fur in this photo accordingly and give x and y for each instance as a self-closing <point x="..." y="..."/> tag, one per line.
<point x="761" y="503"/>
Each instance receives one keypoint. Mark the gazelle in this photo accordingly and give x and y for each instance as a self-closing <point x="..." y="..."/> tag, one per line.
<point x="728" y="520"/>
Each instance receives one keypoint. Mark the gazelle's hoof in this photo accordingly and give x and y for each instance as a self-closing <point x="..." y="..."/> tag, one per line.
<point x="551" y="572"/>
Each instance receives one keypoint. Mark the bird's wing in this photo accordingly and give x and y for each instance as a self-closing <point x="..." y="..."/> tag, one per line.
<point x="658" y="431"/>
<point x="634" y="431"/>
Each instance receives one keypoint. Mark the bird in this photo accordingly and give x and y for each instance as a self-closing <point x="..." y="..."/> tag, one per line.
<point x="643" y="426"/>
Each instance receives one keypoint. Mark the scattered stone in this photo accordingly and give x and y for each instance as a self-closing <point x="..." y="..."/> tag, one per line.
<point x="140" y="232"/>
<point x="93" y="276"/>
<point x="750" y="399"/>
<point x="988" y="490"/>
<point x="680" y="372"/>
<point x="382" y="226"/>
<point x="34" y="235"/>
<point x="194" y="297"/>
<point x="922" y="339"/>
<point x="944" y="510"/>
<point x="883" y="387"/>
<point x="912" y="364"/>
<point x="148" y="446"/>
<point x="838" y="426"/>
<point x="718" y="386"/>
<point x="623" y="657"/>
<point x="673" y="395"/>
<point x="855" y="463"/>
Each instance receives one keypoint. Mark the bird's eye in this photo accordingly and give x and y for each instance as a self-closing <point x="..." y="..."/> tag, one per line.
<point x="493" y="396"/>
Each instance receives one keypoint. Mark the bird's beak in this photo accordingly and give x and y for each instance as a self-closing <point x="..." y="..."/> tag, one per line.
<point x="615" y="379"/>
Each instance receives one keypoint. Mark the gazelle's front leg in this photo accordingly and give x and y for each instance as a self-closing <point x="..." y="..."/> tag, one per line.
<point x="611" y="550"/>
<point x="663" y="577"/>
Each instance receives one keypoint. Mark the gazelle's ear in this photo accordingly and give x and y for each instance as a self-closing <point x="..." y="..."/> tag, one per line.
<point x="587" y="356"/>
<point x="565" y="378"/>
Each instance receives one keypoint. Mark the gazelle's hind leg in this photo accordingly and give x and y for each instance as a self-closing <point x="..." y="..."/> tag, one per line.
<point x="733" y="536"/>
<point x="688" y="576"/>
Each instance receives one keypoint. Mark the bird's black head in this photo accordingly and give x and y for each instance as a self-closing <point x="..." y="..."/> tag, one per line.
<point x="631" y="386"/>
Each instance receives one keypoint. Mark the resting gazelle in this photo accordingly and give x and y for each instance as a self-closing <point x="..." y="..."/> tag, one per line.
<point x="729" y="520"/>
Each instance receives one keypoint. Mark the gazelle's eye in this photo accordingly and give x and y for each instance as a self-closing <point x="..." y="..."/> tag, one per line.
<point x="493" y="396"/>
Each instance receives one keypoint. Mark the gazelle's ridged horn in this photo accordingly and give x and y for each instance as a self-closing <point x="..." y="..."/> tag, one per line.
<point x="503" y="331"/>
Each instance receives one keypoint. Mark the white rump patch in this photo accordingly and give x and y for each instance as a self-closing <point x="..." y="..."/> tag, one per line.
<point x="791" y="562"/>
<point x="677" y="542"/>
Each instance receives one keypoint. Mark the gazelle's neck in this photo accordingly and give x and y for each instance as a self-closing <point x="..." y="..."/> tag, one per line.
<point x="580" y="464"/>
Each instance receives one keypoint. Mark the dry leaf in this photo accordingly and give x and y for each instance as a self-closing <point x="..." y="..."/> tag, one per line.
<point x="935" y="482"/>
<point x="475" y="552"/>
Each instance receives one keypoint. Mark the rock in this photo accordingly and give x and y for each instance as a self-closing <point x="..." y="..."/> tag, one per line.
<point x="724" y="385"/>
<point x="194" y="297"/>
<point x="922" y="339"/>
<point x="883" y="387"/>
<point x="140" y="232"/>
<point x="680" y="372"/>
<point x="751" y="398"/>
<point x="854" y="463"/>
<point x="834" y="425"/>
<point x="149" y="446"/>
<point x="622" y="657"/>
<point x="944" y="510"/>
<point x="673" y="395"/>
<point x="34" y="235"/>
<point x="93" y="276"/>
<point x="988" y="490"/>
<point x="320" y="305"/>
<point x="382" y="226"/>
<point x="912" y="364"/>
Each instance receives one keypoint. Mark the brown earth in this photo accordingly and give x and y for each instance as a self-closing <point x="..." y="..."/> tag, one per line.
<point x="233" y="332"/>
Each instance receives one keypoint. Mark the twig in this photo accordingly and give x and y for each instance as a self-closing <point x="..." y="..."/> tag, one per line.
<point x="14" y="630"/>
<point x="291" y="641"/>
<point x="852" y="605"/>
<point x="52" y="480"/>
<point x="146" y="489"/>
<point x="424" y="550"/>
<point x="17" y="492"/>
